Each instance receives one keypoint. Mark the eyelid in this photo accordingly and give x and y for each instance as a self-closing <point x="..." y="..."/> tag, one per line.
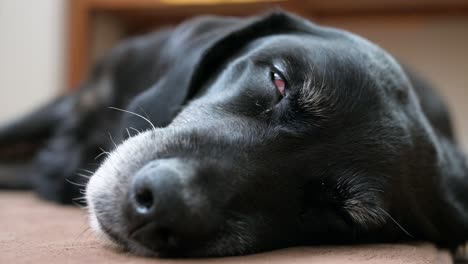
<point x="281" y="74"/>
<point x="279" y="65"/>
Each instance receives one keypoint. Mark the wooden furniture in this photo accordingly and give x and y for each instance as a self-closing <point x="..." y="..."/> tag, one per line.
<point x="137" y="16"/>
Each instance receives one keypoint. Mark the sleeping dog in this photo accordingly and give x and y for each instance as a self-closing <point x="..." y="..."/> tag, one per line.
<point x="226" y="136"/>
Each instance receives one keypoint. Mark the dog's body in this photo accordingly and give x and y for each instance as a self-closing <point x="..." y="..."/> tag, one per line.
<point x="272" y="132"/>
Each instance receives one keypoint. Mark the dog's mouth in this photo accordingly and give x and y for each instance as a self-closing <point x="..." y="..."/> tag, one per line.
<point x="157" y="240"/>
<point x="131" y="241"/>
<point x="150" y="240"/>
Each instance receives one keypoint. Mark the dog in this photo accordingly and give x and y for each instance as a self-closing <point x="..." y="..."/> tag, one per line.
<point x="227" y="136"/>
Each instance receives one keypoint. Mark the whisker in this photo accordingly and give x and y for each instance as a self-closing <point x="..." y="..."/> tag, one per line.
<point x="88" y="171"/>
<point x="102" y="153"/>
<point x="144" y="112"/>
<point x="136" y="130"/>
<point x="109" y="154"/>
<point x="86" y="228"/>
<point x="82" y="232"/>
<point x="112" y="139"/>
<point x="128" y="132"/>
<point x="389" y="216"/>
<point x="82" y="175"/>
<point x="79" y="205"/>
<point x="132" y="113"/>
<point x="75" y="183"/>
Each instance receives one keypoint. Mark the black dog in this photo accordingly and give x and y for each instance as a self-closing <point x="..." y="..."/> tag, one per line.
<point x="244" y="135"/>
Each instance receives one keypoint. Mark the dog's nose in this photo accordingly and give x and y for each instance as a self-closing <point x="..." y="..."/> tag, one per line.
<point x="161" y="211"/>
<point x="155" y="188"/>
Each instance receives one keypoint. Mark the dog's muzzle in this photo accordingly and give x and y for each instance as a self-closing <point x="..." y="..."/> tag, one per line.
<point x="164" y="209"/>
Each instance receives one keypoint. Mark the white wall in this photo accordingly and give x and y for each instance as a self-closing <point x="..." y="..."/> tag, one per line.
<point x="32" y="42"/>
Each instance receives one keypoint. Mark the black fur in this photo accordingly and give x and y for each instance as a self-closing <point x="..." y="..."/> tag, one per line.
<point x="356" y="151"/>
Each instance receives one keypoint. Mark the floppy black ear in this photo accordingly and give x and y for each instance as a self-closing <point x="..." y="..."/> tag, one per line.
<point x="195" y="51"/>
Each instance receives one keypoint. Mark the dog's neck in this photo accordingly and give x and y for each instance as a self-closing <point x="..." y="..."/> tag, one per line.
<point x="433" y="197"/>
<point x="453" y="170"/>
<point x="448" y="205"/>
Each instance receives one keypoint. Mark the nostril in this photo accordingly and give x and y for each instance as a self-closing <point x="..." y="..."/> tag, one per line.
<point x="144" y="200"/>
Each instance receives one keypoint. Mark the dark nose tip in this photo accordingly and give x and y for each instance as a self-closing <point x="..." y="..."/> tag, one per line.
<point x="158" y="210"/>
<point x="154" y="188"/>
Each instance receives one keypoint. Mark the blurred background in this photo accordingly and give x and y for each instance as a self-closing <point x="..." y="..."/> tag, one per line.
<point x="47" y="46"/>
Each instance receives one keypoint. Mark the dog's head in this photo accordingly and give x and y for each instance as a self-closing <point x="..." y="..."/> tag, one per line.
<point x="294" y="137"/>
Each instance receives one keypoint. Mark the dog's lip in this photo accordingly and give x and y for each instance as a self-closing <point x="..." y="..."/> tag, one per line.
<point x="133" y="230"/>
<point x="114" y="236"/>
<point x="168" y="247"/>
<point x="146" y="229"/>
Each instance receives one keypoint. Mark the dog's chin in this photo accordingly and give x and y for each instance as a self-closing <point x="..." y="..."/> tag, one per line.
<point x="220" y="245"/>
<point x="140" y="250"/>
<point x="121" y="243"/>
<point x="114" y="240"/>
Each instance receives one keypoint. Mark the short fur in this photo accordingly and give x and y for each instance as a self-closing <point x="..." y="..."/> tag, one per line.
<point x="358" y="150"/>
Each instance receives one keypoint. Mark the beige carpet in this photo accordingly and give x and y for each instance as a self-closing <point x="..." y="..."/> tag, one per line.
<point x="33" y="231"/>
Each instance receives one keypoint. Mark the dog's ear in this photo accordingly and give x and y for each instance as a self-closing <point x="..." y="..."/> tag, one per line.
<point x="197" y="50"/>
